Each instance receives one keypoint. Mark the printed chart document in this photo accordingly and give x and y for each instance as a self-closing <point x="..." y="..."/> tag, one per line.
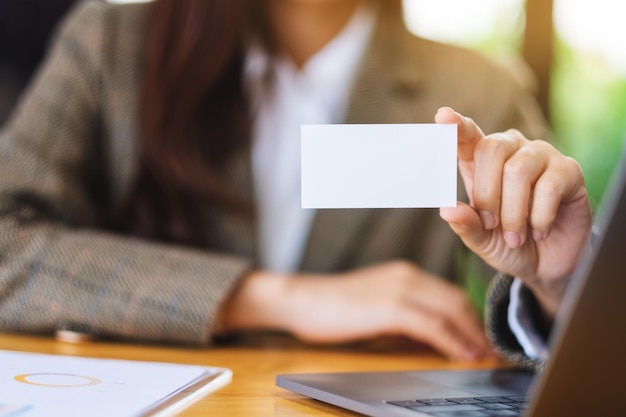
<point x="379" y="166"/>
<point x="37" y="385"/>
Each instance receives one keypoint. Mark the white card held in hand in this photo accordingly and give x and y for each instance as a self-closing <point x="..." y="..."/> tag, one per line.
<point x="379" y="166"/>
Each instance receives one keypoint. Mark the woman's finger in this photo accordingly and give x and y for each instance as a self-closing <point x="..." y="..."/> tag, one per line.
<point x="490" y="157"/>
<point x="551" y="191"/>
<point x="467" y="224"/>
<point x="450" y="302"/>
<point x="437" y="331"/>
<point x="520" y="174"/>
<point x="469" y="134"/>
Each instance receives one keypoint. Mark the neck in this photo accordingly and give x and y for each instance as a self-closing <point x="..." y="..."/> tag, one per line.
<point x="299" y="29"/>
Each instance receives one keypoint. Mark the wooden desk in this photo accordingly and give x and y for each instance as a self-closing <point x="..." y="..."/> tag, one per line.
<point x="252" y="392"/>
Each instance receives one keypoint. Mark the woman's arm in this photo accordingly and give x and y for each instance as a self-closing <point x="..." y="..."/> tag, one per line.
<point x="529" y="215"/>
<point x="57" y="267"/>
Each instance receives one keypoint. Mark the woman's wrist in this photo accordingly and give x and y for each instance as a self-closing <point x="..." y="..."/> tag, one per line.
<point x="549" y="297"/>
<point x="258" y="302"/>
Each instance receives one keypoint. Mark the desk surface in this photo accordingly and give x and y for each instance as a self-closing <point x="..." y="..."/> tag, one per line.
<point x="252" y="391"/>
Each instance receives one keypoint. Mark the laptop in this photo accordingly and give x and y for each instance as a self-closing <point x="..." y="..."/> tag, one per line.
<point x="585" y="376"/>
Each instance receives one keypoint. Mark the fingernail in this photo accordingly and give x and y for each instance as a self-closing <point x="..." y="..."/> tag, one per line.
<point x="537" y="235"/>
<point x="512" y="239"/>
<point x="489" y="222"/>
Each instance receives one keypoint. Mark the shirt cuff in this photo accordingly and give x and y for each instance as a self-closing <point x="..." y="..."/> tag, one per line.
<point x="520" y="321"/>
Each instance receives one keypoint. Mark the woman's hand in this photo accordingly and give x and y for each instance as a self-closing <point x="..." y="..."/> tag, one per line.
<point x="529" y="214"/>
<point x="395" y="298"/>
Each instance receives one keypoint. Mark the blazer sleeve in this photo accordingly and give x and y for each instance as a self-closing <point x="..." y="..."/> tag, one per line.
<point x="497" y="327"/>
<point x="57" y="267"/>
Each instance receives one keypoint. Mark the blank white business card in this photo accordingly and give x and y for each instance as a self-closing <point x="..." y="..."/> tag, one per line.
<point x="379" y="166"/>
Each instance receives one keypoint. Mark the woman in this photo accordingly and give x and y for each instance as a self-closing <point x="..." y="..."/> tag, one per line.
<point x="145" y="179"/>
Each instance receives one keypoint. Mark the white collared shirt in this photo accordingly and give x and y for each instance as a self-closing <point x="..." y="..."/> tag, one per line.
<point x="520" y="323"/>
<point x="316" y="93"/>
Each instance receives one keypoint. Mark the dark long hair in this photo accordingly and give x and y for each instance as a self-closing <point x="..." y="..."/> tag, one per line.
<point x="193" y="115"/>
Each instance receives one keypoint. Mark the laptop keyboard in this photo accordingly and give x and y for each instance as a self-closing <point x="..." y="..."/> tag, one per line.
<point x="468" y="406"/>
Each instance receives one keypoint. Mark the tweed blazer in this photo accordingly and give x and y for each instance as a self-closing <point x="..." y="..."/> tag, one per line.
<point x="69" y="153"/>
